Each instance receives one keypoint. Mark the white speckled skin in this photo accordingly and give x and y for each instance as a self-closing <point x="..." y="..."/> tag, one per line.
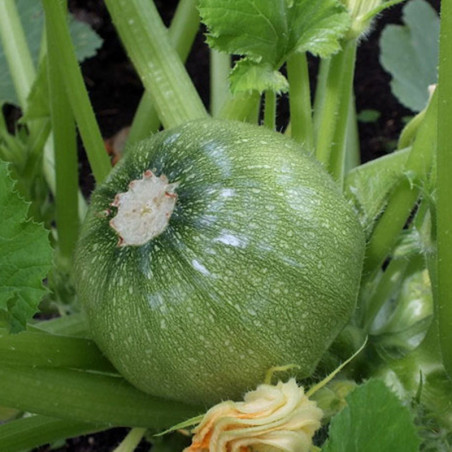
<point x="259" y="265"/>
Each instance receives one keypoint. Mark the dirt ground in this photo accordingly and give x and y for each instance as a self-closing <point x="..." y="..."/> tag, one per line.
<point x="115" y="91"/>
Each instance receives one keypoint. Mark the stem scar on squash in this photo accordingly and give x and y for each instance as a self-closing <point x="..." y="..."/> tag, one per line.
<point x="144" y="210"/>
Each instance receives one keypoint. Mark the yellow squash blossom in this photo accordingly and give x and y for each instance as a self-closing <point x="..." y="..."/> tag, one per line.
<point x="272" y="418"/>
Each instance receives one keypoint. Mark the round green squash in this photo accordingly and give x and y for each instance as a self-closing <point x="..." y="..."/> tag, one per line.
<point x="213" y="252"/>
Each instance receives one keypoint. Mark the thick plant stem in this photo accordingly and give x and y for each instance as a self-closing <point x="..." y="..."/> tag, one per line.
<point x="16" y="50"/>
<point x="320" y="93"/>
<point x="270" y="110"/>
<point x="39" y="349"/>
<point x="3" y="127"/>
<point x="243" y="106"/>
<point x="220" y="66"/>
<point x="93" y="397"/>
<point x="182" y="33"/>
<point x="146" y="40"/>
<point x="23" y="74"/>
<point x="444" y="189"/>
<point x="184" y="26"/>
<point x="404" y="196"/>
<point x="131" y="441"/>
<point x="302" y="129"/>
<point x="353" y="153"/>
<point x="146" y="120"/>
<point x="34" y="431"/>
<point x="76" y="91"/>
<point x="39" y="132"/>
<point x="339" y="145"/>
<point x="329" y="102"/>
<point x="48" y="165"/>
<point x="66" y="165"/>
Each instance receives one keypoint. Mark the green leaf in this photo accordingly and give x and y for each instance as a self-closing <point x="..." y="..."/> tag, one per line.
<point x="373" y="421"/>
<point x="368" y="116"/>
<point x="25" y="257"/>
<point x="248" y="76"/>
<point x="33" y="431"/>
<point x="317" y="27"/>
<point x="85" y="40"/>
<point x="255" y="28"/>
<point x="403" y="322"/>
<point x="368" y="186"/>
<point x="410" y="54"/>
<point x="38" y="106"/>
<point x="268" y="31"/>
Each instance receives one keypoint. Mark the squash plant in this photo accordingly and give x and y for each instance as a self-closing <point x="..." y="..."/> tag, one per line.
<point x="220" y="249"/>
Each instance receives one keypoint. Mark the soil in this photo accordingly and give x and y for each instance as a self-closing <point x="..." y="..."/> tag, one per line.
<point x="115" y="91"/>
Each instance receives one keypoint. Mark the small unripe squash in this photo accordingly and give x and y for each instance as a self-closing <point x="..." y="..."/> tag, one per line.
<point x="213" y="252"/>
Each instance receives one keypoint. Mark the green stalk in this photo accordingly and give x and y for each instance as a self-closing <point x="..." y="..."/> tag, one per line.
<point x="339" y="145"/>
<point x="163" y="75"/>
<point x="3" y="127"/>
<point x="410" y="130"/>
<point x="87" y="397"/>
<point x="182" y="32"/>
<point x="302" y="129"/>
<point x="146" y="120"/>
<point x="11" y="149"/>
<point x="65" y="149"/>
<point x="390" y="163"/>
<point x="31" y="348"/>
<point x="56" y="22"/>
<point x="389" y="284"/>
<point x="184" y="27"/>
<point x="16" y="50"/>
<point x="329" y="102"/>
<point x="404" y="196"/>
<point x="243" y="106"/>
<point x="23" y="74"/>
<point x="70" y="325"/>
<point x="50" y="177"/>
<point x="353" y="154"/>
<point x="34" y="431"/>
<point x="131" y="441"/>
<point x="444" y="188"/>
<point x="320" y="92"/>
<point x="270" y="110"/>
<point x="220" y="66"/>
<point x="39" y="134"/>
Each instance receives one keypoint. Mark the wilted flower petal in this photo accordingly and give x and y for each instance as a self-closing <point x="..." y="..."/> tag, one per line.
<point x="271" y="418"/>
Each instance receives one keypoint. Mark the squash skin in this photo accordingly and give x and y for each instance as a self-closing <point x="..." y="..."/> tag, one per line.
<point x="259" y="265"/>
